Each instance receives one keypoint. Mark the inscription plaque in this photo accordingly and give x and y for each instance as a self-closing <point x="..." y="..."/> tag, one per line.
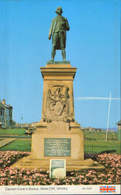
<point x="57" y="146"/>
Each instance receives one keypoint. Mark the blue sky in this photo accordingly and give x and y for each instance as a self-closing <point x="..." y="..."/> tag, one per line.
<point x="93" y="47"/>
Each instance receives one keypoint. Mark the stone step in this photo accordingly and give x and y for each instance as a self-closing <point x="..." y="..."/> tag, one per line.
<point x="45" y="168"/>
<point x="29" y="163"/>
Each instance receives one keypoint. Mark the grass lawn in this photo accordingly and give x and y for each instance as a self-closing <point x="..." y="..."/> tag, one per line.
<point x="95" y="142"/>
<point x="20" y="131"/>
<point x="101" y="145"/>
<point x="100" y="135"/>
<point x="18" y="145"/>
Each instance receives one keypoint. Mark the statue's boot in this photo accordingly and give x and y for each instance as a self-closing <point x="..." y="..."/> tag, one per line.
<point x="53" y="54"/>
<point x="64" y="54"/>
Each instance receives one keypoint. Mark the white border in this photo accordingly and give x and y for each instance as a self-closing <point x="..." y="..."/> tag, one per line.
<point x="60" y="189"/>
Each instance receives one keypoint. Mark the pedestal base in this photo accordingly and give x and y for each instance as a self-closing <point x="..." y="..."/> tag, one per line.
<point x="57" y="140"/>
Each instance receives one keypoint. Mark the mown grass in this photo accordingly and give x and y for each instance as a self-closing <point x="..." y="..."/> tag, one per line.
<point x="95" y="142"/>
<point x="18" y="145"/>
<point x="20" y="131"/>
<point x="100" y="135"/>
<point x="101" y="146"/>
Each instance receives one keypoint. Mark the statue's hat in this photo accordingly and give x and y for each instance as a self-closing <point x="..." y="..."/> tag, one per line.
<point x="59" y="10"/>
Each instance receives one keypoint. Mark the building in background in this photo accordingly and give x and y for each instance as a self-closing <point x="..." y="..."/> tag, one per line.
<point x="5" y="114"/>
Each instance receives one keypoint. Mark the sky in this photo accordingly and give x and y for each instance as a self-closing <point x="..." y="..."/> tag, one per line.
<point x="93" y="47"/>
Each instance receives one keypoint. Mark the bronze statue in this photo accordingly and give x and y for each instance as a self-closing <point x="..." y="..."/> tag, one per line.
<point x="58" y="30"/>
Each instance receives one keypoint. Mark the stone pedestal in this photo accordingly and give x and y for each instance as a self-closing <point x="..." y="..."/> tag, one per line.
<point x="57" y="135"/>
<point x="58" y="103"/>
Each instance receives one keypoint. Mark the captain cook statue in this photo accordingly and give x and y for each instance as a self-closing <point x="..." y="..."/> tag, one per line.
<point x="57" y="31"/>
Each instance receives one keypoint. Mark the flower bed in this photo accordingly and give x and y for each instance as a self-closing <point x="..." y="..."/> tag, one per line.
<point x="14" y="176"/>
<point x="7" y="158"/>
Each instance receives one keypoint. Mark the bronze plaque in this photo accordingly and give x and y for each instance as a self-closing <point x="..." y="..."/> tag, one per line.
<point x="57" y="147"/>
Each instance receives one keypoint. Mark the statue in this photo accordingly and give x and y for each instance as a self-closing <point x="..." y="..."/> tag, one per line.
<point x="57" y="31"/>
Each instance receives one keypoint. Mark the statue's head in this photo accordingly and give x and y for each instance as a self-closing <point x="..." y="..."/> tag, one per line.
<point x="59" y="10"/>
